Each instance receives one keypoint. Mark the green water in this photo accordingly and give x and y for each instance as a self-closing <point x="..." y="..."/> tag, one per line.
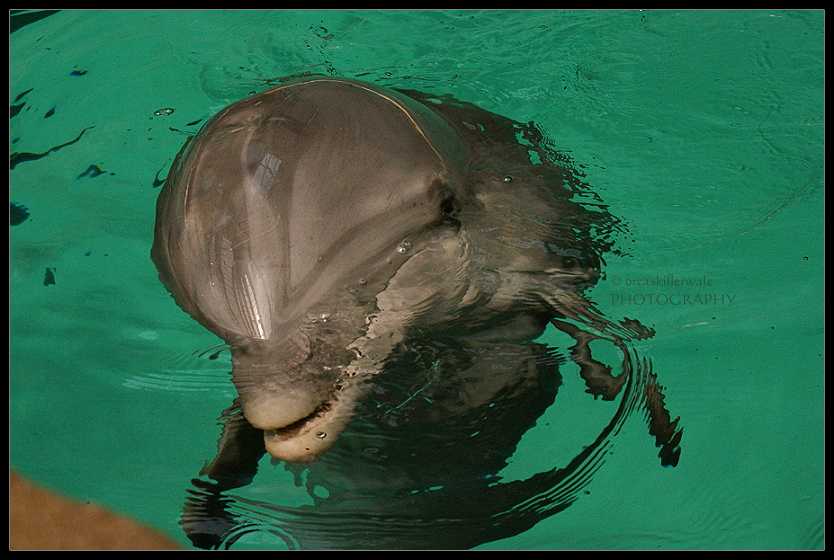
<point x="704" y="131"/>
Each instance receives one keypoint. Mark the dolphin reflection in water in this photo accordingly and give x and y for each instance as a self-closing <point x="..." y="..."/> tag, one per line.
<point x="380" y="264"/>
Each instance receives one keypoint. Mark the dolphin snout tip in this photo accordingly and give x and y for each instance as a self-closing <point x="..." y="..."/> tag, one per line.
<point x="306" y="439"/>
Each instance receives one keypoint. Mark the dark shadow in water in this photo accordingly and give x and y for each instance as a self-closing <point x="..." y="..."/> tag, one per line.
<point x="18" y="214"/>
<point x="418" y="466"/>
<point x="22" y="18"/>
<point x="21" y="157"/>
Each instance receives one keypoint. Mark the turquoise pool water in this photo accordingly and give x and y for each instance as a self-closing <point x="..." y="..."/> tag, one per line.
<point x="704" y="131"/>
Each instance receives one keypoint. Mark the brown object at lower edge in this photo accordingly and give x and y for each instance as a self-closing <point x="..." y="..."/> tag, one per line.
<point x="42" y="520"/>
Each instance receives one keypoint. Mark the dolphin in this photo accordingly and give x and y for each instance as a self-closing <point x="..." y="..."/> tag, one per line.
<point x="330" y="231"/>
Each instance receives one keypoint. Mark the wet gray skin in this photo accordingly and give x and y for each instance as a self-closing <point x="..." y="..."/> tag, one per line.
<point x="316" y="226"/>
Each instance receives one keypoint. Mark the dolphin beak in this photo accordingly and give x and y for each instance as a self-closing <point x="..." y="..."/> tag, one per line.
<point x="305" y="440"/>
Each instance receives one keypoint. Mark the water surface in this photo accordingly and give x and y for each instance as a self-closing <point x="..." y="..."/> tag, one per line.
<point x="702" y="130"/>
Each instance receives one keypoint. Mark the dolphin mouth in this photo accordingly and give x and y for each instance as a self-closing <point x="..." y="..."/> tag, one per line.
<point x="306" y="439"/>
<point x="302" y="425"/>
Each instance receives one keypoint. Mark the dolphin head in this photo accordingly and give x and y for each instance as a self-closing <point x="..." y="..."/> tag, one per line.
<point x="291" y="206"/>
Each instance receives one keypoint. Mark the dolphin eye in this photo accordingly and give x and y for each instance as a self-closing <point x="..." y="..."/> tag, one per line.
<point x="449" y="206"/>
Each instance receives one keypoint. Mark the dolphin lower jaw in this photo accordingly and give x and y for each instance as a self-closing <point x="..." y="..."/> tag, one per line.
<point x="306" y="440"/>
<point x="299" y="428"/>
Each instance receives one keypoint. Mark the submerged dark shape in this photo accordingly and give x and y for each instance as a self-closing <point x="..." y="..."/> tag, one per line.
<point x="18" y="214"/>
<point x="19" y="157"/>
<point x="380" y="263"/>
<point x="49" y="277"/>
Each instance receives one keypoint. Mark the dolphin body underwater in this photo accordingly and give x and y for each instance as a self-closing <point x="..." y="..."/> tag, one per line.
<point x="380" y="264"/>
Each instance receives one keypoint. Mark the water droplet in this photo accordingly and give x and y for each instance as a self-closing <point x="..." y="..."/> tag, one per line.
<point x="404" y="246"/>
<point x="321" y="435"/>
<point x="508" y="179"/>
<point x="163" y="112"/>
